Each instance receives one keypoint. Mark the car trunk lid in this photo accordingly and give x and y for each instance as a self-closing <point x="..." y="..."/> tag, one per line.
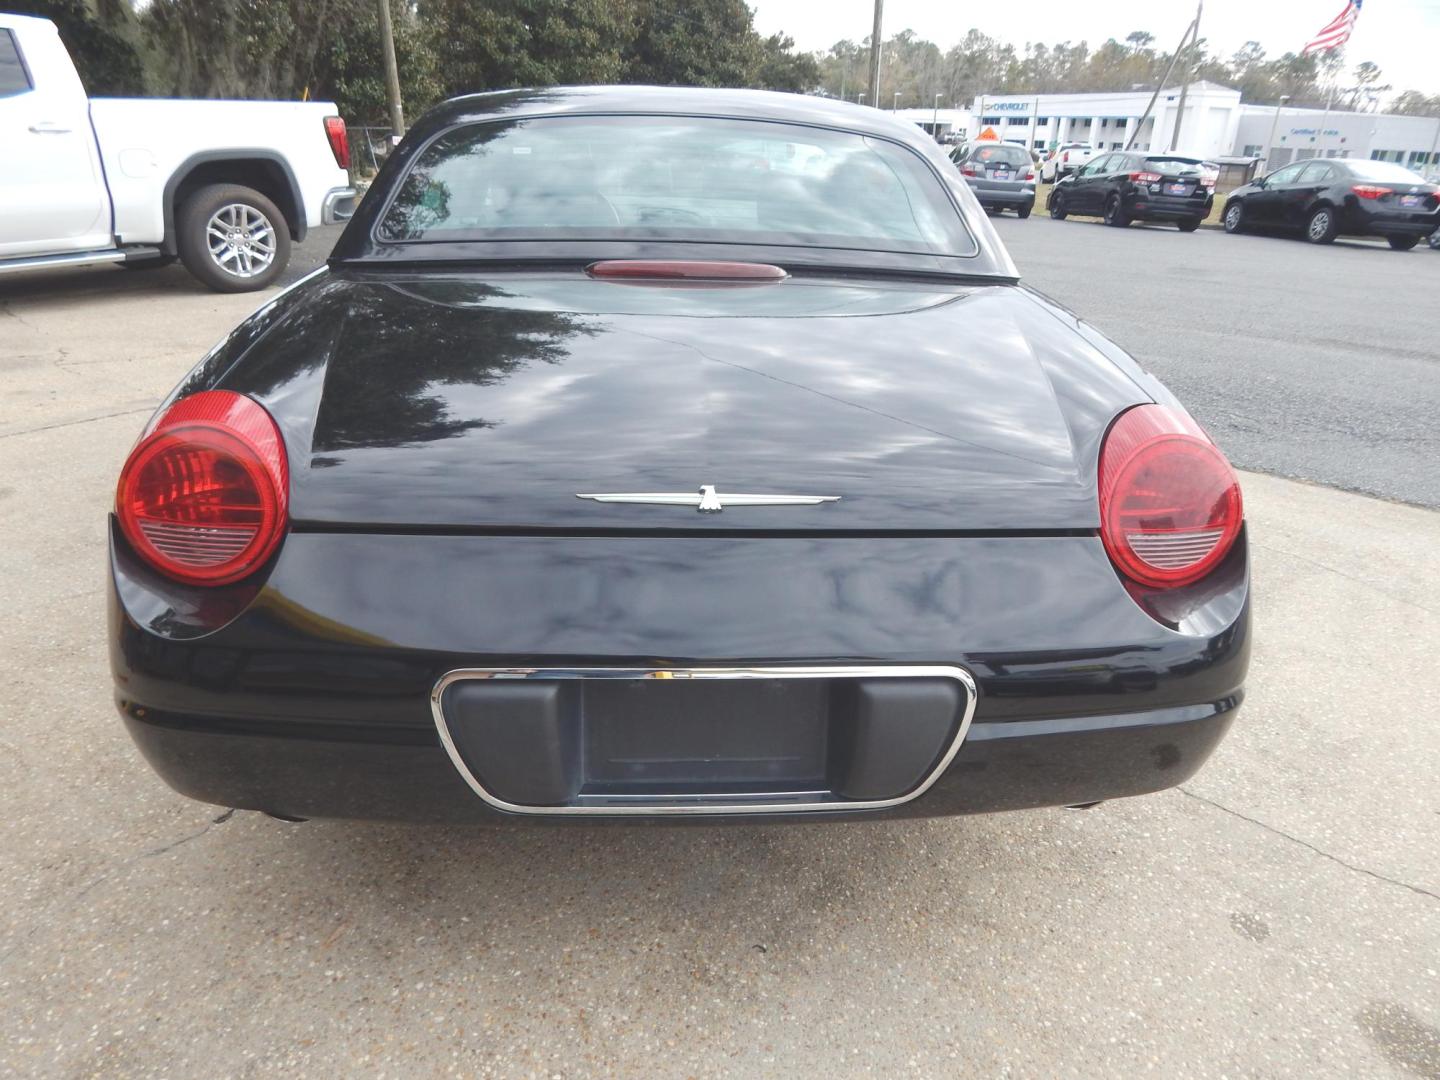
<point x="444" y="402"/>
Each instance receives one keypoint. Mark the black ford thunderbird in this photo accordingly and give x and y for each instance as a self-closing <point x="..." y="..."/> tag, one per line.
<point x="649" y="452"/>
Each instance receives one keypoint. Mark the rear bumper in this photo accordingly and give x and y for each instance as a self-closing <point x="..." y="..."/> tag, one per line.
<point x="1007" y="195"/>
<point x="400" y="774"/>
<point x="338" y="206"/>
<point x="1364" y="222"/>
<point x="1168" y="208"/>
<point x="310" y="695"/>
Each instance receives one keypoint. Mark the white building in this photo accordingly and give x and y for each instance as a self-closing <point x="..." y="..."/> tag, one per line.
<point x="1285" y="135"/>
<point x="1105" y="121"/>
<point x="1215" y="125"/>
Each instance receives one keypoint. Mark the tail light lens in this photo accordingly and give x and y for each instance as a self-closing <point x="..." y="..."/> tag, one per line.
<point x="967" y="170"/>
<point x="1029" y="174"/>
<point x="1170" y="505"/>
<point x="1370" y="191"/>
<point x="203" y="495"/>
<point x="1065" y="156"/>
<point x="1146" y="177"/>
<point x="339" y="140"/>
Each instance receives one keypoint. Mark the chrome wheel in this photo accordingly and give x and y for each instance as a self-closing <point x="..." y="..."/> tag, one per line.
<point x="241" y="240"/>
<point x="1319" y="225"/>
<point x="1232" y="217"/>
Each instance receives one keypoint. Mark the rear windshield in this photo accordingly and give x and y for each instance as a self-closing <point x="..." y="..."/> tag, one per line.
<point x="696" y="179"/>
<point x="1383" y="171"/>
<point x="1177" y="164"/>
<point x="997" y="155"/>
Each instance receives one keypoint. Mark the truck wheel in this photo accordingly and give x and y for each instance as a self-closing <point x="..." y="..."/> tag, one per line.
<point x="1188" y="224"/>
<point x="232" y="238"/>
<point x="1403" y="243"/>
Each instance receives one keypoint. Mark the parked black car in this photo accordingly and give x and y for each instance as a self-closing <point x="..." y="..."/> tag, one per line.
<point x="1002" y="175"/>
<point x="1330" y="197"/>
<point x="649" y="451"/>
<point x="1127" y="186"/>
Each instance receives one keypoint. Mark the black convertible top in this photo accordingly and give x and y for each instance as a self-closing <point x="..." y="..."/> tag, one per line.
<point x="360" y="244"/>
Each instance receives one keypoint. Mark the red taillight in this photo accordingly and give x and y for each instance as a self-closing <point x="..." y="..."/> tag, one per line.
<point x="1065" y="156"/>
<point x="1030" y="175"/>
<point x="1370" y="191"/>
<point x="968" y="170"/>
<point x="1146" y="177"/>
<point x="1170" y="505"/>
<point x="339" y="140"/>
<point x="203" y="495"/>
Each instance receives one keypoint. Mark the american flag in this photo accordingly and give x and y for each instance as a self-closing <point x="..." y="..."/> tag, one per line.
<point x="1336" y="31"/>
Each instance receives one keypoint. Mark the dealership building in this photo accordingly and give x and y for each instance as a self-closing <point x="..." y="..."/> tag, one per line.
<point x="1214" y="125"/>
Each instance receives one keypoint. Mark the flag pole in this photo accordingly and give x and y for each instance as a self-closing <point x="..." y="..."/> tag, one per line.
<point x="1320" y="135"/>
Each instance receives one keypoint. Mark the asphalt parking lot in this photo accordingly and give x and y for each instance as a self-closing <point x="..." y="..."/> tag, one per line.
<point x="1279" y="916"/>
<point x="1318" y="363"/>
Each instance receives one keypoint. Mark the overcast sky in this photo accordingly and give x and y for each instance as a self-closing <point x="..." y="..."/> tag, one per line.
<point x="1402" y="36"/>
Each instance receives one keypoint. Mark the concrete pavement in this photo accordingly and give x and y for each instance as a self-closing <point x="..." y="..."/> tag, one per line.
<point x="1280" y="916"/>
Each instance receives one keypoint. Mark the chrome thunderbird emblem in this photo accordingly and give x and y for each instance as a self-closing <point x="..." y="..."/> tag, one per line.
<point x="707" y="500"/>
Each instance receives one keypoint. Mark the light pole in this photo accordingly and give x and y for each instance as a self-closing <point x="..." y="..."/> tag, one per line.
<point x="859" y="99"/>
<point x="895" y="104"/>
<point x="935" y="118"/>
<point x="1274" y="124"/>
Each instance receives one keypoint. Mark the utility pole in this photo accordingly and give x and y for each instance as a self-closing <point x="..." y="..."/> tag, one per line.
<point x="392" y="72"/>
<point x="935" y="118"/>
<point x="1274" y="125"/>
<point x="1163" y="80"/>
<point x="875" y="54"/>
<point x="1185" y="78"/>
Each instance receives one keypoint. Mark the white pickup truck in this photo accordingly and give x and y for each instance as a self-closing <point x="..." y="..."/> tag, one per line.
<point x="225" y="186"/>
<point x="1064" y="160"/>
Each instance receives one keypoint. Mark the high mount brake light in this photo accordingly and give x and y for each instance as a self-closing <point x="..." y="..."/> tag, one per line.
<point x="339" y="140"/>
<point x="1170" y="505"/>
<point x="203" y="495"/>
<point x="684" y="270"/>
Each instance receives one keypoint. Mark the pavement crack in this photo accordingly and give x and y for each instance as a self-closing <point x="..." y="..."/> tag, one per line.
<point x="73" y="423"/>
<point x="96" y="882"/>
<point x="6" y="309"/>
<point x="161" y="850"/>
<point x="1306" y="844"/>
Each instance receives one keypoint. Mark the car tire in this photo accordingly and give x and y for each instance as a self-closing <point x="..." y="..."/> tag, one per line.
<point x="1188" y="225"/>
<point x="1403" y="243"/>
<point x="1057" y="206"/>
<point x="1023" y="212"/>
<point x="1234" y="219"/>
<point x="1434" y="240"/>
<point x="1321" y="226"/>
<point x="1115" y="215"/>
<point x="232" y="238"/>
